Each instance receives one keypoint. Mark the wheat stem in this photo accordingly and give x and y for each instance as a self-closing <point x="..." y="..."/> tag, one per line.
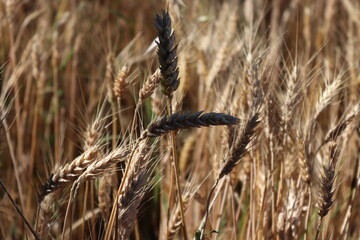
<point x="19" y="211"/>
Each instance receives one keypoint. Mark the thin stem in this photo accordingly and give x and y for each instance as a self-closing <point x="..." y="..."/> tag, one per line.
<point x="176" y="171"/>
<point x="56" y="112"/>
<point x="273" y="199"/>
<point x="84" y="209"/>
<point x="207" y="208"/>
<point x="137" y="231"/>
<point x="114" y="126"/>
<point x="222" y="206"/>
<point x="122" y="127"/>
<point x="34" y="144"/>
<point x="318" y="228"/>
<point x="211" y="203"/>
<point x="19" y="211"/>
<point x="13" y="62"/>
<point x="138" y="105"/>
<point x="171" y="197"/>
<point x="307" y="215"/>
<point x="72" y="192"/>
<point x="13" y="159"/>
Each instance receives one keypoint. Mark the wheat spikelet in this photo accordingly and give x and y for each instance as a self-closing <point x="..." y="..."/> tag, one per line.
<point x="324" y="100"/>
<point x="70" y="171"/>
<point x="167" y="54"/>
<point x="326" y="187"/>
<point x="327" y="177"/>
<point x="120" y="83"/>
<point x="291" y="99"/>
<point x="93" y="134"/>
<point x="102" y="165"/>
<point x="179" y="121"/>
<point x="150" y="85"/>
<point x="99" y="167"/>
<point x="238" y="149"/>
<point x="327" y="96"/>
<point x="228" y="137"/>
<point x="135" y="186"/>
<point x="305" y="166"/>
<point x="288" y="223"/>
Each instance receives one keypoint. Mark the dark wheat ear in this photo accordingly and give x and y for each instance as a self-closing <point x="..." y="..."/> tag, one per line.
<point x="238" y="149"/>
<point x="326" y="184"/>
<point x="234" y="156"/>
<point x="186" y="120"/>
<point x="167" y="54"/>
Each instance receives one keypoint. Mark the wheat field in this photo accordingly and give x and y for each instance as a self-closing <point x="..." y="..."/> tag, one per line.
<point x="180" y="119"/>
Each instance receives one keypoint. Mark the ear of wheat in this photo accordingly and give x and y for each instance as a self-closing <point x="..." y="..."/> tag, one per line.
<point x="70" y="171"/>
<point x="238" y="149"/>
<point x="186" y="120"/>
<point x="167" y="54"/>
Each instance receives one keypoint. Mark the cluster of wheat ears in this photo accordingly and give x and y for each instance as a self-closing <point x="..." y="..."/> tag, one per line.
<point x="221" y="119"/>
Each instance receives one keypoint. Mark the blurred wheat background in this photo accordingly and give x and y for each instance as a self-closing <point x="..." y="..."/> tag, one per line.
<point x="102" y="136"/>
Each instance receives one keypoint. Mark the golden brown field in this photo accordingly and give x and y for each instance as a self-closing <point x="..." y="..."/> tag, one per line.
<point x="180" y="119"/>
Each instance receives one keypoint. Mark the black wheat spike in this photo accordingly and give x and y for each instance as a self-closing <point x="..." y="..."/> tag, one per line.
<point x="179" y="121"/>
<point x="167" y="54"/>
<point x="327" y="192"/>
<point x="238" y="149"/>
<point x="327" y="179"/>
